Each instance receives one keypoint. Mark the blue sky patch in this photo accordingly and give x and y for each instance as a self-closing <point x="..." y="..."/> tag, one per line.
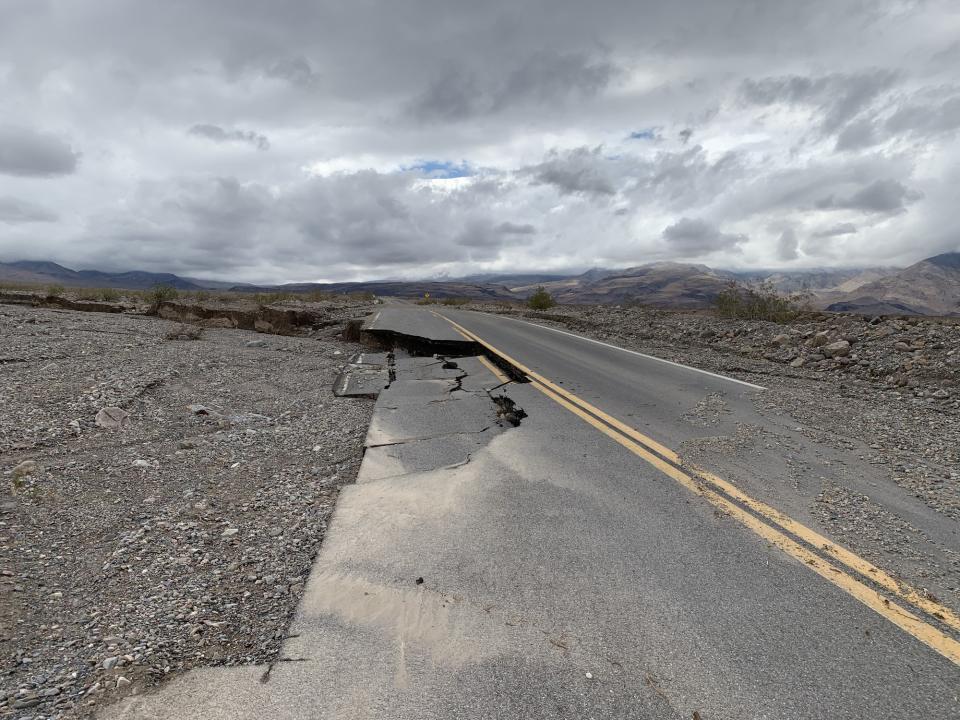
<point x="443" y="169"/>
<point x="646" y="134"/>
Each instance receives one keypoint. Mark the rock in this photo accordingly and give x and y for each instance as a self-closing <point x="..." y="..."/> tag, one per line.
<point x="255" y="344"/>
<point x="840" y="348"/>
<point x="781" y="340"/>
<point x="261" y="325"/>
<point x="798" y="362"/>
<point x="122" y="682"/>
<point x="229" y="532"/>
<point x="941" y="394"/>
<point x="110" y="663"/>
<point x="141" y="463"/>
<point x="113" y="418"/>
<point x="902" y="347"/>
<point x="27" y="467"/>
<point x="819" y="339"/>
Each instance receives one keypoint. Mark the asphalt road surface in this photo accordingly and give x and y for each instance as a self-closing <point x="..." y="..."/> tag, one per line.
<point x="581" y="565"/>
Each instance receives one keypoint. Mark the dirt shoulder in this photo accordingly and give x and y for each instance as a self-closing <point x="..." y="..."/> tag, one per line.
<point x="162" y="498"/>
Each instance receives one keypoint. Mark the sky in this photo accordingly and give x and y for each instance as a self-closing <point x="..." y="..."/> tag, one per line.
<point x="306" y="140"/>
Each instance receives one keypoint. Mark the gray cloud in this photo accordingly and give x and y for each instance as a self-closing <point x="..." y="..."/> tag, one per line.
<point x="580" y="171"/>
<point x="837" y="230"/>
<point x="544" y="78"/>
<point x="787" y="245"/>
<point x="881" y="196"/>
<point x="537" y="99"/>
<point x="30" y="153"/>
<point x="694" y="237"/>
<point x="15" y="211"/>
<point x="839" y="97"/>
<point x="220" y="135"/>
<point x="509" y="228"/>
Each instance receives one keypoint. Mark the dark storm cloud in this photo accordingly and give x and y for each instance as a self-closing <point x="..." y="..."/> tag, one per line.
<point x="881" y="196"/>
<point x="15" y="211"/>
<point x="929" y="118"/>
<point x="31" y="153"/>
<point x="220" y="135"/>
<point x="692" y="237"/>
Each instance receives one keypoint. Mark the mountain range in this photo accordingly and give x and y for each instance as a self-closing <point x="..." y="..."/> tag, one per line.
<point x="929" y="287"/>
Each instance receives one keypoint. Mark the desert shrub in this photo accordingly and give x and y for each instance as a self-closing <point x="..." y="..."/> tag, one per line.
<point x="364" y="296"/>
<point x="756" y="303"/>
<point x="203" y="295"/>
<point x="88" y="294"/>
<point x="270" y="298"/>
<point x="541" y="300"/>
<point x="318" y="296"/>
<point x="109" y="294"/>
<point x="55" y="290"/>
<point x="455" y="301"/>
<point x="161" y="293"/>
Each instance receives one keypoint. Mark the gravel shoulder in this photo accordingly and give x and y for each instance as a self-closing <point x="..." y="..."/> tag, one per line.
<point x="162" y="497"/>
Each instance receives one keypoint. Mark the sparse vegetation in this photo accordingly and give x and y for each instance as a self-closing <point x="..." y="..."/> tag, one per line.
<point x="541" y="300"/>
<point x="203" y="295"/>
<point x="109" y="294"/>
<point x="55" y="290"/>
<point x="88" y="294"/>
<point x="161" y="294"/>
<point x="455" y="301"/>
<point x="756" y="303"/>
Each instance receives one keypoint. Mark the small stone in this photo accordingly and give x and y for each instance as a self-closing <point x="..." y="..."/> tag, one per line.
<point x="27" y="467"/>
<point x="122" y="682"/>
<point x="229" y="532"/>
<point x="798" y="362"/>
<point x="941" y="394"/>
<point x="112" y="418"/>
<point x="140" y="463"/>
<point x="589" y="676"/>
<point x="255" y="344"/>
<point x="110" y="663"/>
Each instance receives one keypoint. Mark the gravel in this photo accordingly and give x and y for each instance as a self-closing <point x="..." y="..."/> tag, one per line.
<point x="140" y="536"/>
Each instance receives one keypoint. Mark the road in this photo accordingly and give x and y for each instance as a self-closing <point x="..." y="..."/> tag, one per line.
<point x="581" y="564"/>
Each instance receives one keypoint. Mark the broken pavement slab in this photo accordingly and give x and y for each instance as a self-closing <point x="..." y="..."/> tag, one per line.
<point x="364" y="376"/>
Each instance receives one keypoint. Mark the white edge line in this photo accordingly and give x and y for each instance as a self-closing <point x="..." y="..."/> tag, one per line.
<point x="634" y="352"/>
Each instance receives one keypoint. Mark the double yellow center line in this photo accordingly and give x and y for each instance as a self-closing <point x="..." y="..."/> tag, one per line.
<point x="800" y="542"/>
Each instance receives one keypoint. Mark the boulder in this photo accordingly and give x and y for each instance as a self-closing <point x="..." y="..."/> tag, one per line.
<point x="840" y="348"/>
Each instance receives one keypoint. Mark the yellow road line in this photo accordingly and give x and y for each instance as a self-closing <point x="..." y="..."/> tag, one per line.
<point x="497" y="373"/>
<point x="902" y="618"/>
<point x="924" y="632"/>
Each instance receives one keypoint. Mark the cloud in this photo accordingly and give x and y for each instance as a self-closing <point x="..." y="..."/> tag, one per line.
<point x="443" y="169"/>
<point x="787" y="245"/>
<point x="881" y="196"/>
<point x="542" y="79"/>
<point x="220" y="135"/>
<point x="509" y="228"/>
<point x="926" y="118"/>
<point x="29" y="153"/>
<point x="837" y="230"/>
<point x="838" y="97"/>
<point x="14" y="211"/>
<point x="693" y="237"/>
<point x="580" y="171"/>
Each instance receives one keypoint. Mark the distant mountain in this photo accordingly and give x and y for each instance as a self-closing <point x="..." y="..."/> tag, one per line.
<point x="49" y="273"/>
<point x="929" y="287"/>
<point x="411" y="289"/>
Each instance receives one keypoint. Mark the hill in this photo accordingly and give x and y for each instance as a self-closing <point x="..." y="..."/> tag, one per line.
<point x="929" y="287"/>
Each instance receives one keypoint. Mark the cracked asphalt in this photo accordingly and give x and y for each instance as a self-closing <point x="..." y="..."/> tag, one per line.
<point x="575" y="566"/>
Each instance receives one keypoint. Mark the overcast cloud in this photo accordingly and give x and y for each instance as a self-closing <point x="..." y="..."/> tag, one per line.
<point x="299" y="140"/>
